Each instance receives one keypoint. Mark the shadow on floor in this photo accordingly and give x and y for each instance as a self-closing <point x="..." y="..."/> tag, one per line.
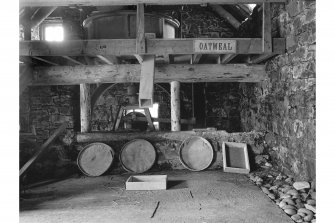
<point x="176" y="184"/>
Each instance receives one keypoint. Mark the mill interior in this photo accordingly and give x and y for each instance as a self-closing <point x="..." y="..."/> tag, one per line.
<point x="167" y="111"/>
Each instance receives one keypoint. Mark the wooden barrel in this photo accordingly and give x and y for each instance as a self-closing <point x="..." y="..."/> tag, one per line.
<point x="137" y="156"/>
<point x="95" y="159"/>
<point x="196" y="153"/>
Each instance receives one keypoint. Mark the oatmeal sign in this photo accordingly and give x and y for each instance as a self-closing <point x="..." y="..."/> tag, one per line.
<point x="214" y="46"/>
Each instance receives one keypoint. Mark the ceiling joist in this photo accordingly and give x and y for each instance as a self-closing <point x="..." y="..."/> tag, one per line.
<point x="34" y="3"/>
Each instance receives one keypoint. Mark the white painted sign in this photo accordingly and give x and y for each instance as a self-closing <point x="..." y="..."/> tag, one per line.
<point x="214" y="46"/>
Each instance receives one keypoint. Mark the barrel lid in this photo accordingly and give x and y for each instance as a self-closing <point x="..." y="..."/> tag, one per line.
<point x="196" y="153"/>
<point x="95" y="159"/>
<point x="137" y="156"/>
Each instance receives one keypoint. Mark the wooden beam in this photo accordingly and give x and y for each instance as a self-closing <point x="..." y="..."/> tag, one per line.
<point x="140" y="34"/>
<point x="73" y="60"/>
<point x="267" y="36"/>
<point x="104" y="59"/>
<point x="42" y="148"/>
<point x="227" y="58"/>
<point x="146" y="93"/>
<point x="85" y="108"/>
<point x="41" y="15"/>
<point x="128" y="47"/>
<point x="219" y="136"/>
<point x="45" y="61"/>
<point x="196" y="58"/>
<point x="139" y="58"/>
<point x="226" y="15"/>
<point x="34" y="3"/>
<point x="163" y="120"/>
<point x="175" y="106"/>
<point x="260" y="58"/>
<point x="130" y="73"/>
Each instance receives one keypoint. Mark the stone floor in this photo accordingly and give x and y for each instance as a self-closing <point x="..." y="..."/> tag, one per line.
<point x="206" y="196"/>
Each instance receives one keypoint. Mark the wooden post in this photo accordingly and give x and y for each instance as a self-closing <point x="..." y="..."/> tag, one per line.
<point x="267" y="37"/>
<point x="85" y="108"/>
<point x="140" y="36"/>
<point x="146" y="93"/>
<point x="175" y="106"/>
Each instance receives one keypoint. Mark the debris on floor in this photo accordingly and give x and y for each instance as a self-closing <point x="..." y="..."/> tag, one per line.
<point x="153" y="214"/>
<point x="297" y="199"/>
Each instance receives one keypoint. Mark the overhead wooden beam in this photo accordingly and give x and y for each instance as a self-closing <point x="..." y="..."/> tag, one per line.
<point x="140" y="34"/>
<point x="267" y="36"/>
<point x="226" y="15"/>
<point x="67" y="75"/>
<point x="73" y="60"/>
<point x="196" y="58"/>
<point x="146" y="92"/>
<point x="106" y="60"/>
<point x="34" y="3"/>
<point x="128" y="47"/>
<point x="227" y="58"/>
<point x="41" y="15"/>
<point x="139" y="58"/>
<point x="260" y="58"/>
<point x="45" y="61"/>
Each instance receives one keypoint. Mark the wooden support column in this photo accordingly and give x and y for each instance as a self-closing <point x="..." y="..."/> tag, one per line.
<point x="85" y="108"/>
<point x="175" y="106"/>
<point x="140" y="36"/>
<point x="267" y="37"/>
<point x="146" y="93"/>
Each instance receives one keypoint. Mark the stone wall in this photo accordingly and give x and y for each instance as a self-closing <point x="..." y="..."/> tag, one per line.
<point x="222" y="106"/>
<point x="284" y="106"/>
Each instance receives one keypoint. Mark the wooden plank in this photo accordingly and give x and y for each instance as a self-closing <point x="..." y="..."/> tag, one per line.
<point x="267" y="37"/>
<point x="175" y="106"/>
<point x="139" y="58"/>
<point x="45" y="61"/>
<point x="43" y="147"/>
<point x="128" y="47"/>
<point x="149" y="119"/>
<point x="226" y="15"/>
<point x="260" y="58"/>
<point x="227" y="58"/>
<point x="130" y="73"/>
<point x="196" y="58"/>
<point x="146" y="92"/>
<point x="104" y="59"/>
<point x="151" y="136"/>
<point x="34" y="3"/>
<point x="73" y="60"/>
<point x="85" y="108"/>
<point x="140" y="34"/>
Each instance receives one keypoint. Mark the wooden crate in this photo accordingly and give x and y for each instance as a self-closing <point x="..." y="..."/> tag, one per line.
<point x="235" y="157"/>
<point x="146" y="182"/>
